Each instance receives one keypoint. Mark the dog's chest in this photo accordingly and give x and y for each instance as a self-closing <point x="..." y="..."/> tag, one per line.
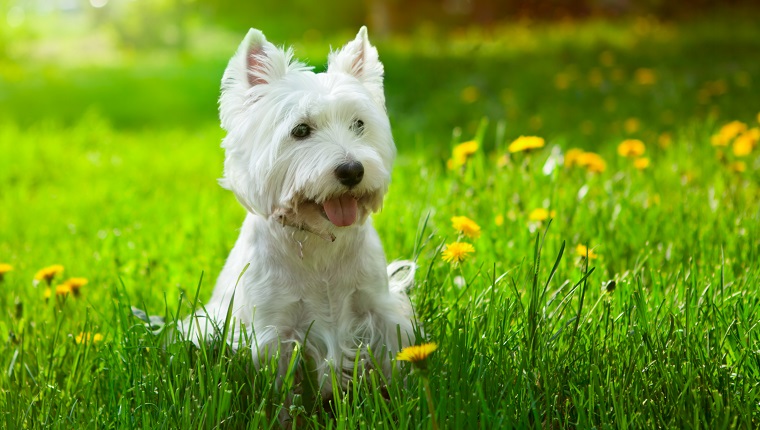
<point x="329" y="300"/>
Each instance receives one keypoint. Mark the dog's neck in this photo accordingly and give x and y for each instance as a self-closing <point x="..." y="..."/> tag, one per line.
<point x="302" y="230"/>
<point x="302" y="234"/>
<point x="313" y="248"/>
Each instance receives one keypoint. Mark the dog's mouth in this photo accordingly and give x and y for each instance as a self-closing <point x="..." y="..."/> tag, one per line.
<point x="342" y="210"/>
<point x="321" y="215"/>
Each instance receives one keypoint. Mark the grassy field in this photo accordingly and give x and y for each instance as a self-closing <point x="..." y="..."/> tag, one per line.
<point x="636" y="306"/>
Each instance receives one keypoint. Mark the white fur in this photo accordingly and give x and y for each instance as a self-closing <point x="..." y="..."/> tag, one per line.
<point x="298" y="282"/>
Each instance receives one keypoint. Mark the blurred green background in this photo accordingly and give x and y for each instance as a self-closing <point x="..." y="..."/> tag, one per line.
<point x="536" y="65"/>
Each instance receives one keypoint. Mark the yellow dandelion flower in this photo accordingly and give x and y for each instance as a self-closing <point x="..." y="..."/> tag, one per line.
<point x="461" y="153"/>
<point x="541" y="214"/>
<point x="738" y="166"/>
<point x="631" y="148"/>
<point x="416" y="353"/>
<point x="728" y="132"/>
<point x="525" y="143"/>
<point x="5" y="268"/>
<point x="62" y="290"/>
<point x="641" y="163"/>
<point x="572" y="156"/>
<point x="75" y="284"/>
<point x="47" y="294"/>
<point x="470" y="94"/>
<point x="466" y="226"/>
<point x="592" y="162"/>
<point x="632" y="125"/>
<point x="742" y="146"/>
<point x="732" y="129"/>
<point x="88" y="338"/>
<point x="457" y="252"/>
<point x="583" y="251"/>
<point x="466" y="148"/>
<point x="48" y="273"/>
<point x="746" y="142"/>
<point x="645" y="76"/>
<point x="499" y="220"/>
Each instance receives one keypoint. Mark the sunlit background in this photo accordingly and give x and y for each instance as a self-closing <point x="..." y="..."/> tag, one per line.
<point x="536" y="65"/>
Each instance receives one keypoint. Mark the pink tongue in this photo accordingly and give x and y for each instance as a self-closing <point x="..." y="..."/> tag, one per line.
<point x="341" y="211"/>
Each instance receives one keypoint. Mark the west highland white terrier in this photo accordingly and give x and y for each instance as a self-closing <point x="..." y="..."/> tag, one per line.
<point x="309" y="155"/>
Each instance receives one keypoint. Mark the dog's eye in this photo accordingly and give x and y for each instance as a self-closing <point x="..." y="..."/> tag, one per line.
<point x="301" y="131"/>
<point x="358" y="126"/>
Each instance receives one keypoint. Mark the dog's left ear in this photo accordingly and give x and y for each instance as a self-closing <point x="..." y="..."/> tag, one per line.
<point x="359" y="58"/>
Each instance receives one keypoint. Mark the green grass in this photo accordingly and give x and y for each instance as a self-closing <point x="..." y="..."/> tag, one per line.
<point x="530" y="334"/>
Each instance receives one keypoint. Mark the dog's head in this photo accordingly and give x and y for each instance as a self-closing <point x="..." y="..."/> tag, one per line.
<point x="302" y="143"/>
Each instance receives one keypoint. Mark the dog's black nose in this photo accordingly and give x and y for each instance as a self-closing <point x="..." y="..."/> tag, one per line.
<point x="350" y="173"/>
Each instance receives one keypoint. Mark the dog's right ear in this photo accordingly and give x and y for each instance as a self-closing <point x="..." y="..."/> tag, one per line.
<point x="264" y="62"/>
<point x="256" y="63"/>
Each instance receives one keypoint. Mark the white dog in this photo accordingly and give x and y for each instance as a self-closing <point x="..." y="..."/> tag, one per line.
<point x="309" y="156"/>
